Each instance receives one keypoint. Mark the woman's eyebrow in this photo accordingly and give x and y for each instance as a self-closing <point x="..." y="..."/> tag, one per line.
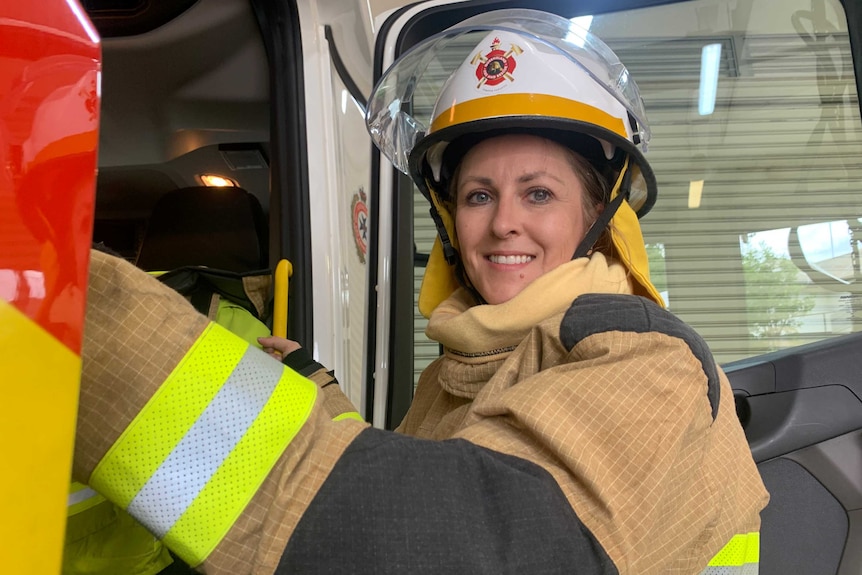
<point x="528" y="177"/>
<point x="483" y="180"/>
<point x="524" y="178"/>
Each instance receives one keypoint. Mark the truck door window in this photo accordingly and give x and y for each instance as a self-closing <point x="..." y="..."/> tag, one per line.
<point x="756" y="132"/>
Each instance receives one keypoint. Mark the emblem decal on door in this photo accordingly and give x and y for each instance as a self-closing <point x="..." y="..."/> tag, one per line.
<point x="359" y="209"/>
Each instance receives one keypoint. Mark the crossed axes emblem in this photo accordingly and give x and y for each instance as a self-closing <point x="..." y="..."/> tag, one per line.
<point x="496" y="65"/>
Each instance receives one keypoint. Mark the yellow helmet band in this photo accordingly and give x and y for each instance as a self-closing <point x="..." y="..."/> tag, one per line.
<point x="501" y="105"/>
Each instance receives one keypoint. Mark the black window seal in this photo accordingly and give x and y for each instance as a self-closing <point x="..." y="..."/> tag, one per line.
<point x="289" y="208"/>
<point x="341" y="70"/>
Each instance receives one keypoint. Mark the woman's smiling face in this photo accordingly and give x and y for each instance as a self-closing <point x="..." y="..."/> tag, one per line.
<point x="520" y="212"/>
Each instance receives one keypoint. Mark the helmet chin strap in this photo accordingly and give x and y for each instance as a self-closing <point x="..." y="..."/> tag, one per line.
<point x="622" y="186"/>
<point x="451" y="254"/>
<point x="453" y="259"/>
<point x="600" y="225"/>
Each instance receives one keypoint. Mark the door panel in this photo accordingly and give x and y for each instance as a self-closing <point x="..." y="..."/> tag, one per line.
<point x="802" y="414"/>
<point x="784" y="422"/>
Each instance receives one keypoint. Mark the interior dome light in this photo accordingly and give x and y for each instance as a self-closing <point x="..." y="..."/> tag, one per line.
<point x="216" y="181"/>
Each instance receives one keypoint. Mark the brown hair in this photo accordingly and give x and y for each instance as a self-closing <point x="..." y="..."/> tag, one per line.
<point x="597" y="192"/>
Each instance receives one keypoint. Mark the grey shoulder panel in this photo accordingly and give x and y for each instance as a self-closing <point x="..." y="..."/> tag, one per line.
<point x="591" y="314"/>
<point x="397" y="504"/>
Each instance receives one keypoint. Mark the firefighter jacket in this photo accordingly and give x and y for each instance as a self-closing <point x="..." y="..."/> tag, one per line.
<point x="617" y="399"/>
<point x="242" y="465"/>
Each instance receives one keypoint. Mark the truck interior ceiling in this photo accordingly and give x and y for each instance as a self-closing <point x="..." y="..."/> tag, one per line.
<point x="185" y="106"/>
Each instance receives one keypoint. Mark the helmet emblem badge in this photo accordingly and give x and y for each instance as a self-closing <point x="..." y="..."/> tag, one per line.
<point x="496" y="66"/>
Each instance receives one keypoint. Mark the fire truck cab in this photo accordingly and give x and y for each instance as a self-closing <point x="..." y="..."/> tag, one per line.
<point x="231" y="133"/>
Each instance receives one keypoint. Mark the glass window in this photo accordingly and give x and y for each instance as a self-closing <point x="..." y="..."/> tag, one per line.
<point x="756" y="144"/>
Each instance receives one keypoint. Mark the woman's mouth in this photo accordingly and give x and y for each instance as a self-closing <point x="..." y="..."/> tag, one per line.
<point x="510" y="260"/>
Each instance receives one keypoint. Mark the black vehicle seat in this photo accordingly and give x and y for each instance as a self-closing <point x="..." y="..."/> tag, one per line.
<point x="221" y="228"/>
<point x="212" y="245"/>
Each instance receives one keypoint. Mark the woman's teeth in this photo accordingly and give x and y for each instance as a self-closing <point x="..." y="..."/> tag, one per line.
<point x="510" y="260"/>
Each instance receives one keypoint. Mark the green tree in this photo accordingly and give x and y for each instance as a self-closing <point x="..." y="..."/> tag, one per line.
<point x="774" y="295"/>
<point x="657" y="273"/>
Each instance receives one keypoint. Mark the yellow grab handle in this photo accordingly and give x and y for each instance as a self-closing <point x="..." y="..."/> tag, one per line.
<point x="283" y="271"/>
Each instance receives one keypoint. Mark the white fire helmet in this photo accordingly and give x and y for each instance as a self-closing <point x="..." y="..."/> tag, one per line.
<point x="531" y="72"/>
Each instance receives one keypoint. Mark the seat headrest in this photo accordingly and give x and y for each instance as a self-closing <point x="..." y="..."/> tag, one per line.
<point x="222" y="228"/>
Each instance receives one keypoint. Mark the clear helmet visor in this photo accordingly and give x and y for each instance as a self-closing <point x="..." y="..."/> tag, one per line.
<point x="397" y="121"/>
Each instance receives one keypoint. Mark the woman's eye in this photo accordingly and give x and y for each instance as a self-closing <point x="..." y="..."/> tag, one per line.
<point x="540" y="196"/>
<point x="478" y="198"/>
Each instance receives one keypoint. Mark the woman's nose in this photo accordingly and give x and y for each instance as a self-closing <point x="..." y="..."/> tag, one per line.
<point x="507" y="219"/>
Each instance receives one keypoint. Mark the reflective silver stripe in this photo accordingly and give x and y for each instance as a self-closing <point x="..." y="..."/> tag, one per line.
<point x="746" y="569"/>
<point x="200" y="453"/>
<point x="81" y="495"/>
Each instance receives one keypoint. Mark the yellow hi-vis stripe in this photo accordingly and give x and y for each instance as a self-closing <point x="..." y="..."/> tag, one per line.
<point x="81" y="498"/>
<point x="741" y="556"/>
<point x="348" y="415"/>
<point x="194" y="456"/>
